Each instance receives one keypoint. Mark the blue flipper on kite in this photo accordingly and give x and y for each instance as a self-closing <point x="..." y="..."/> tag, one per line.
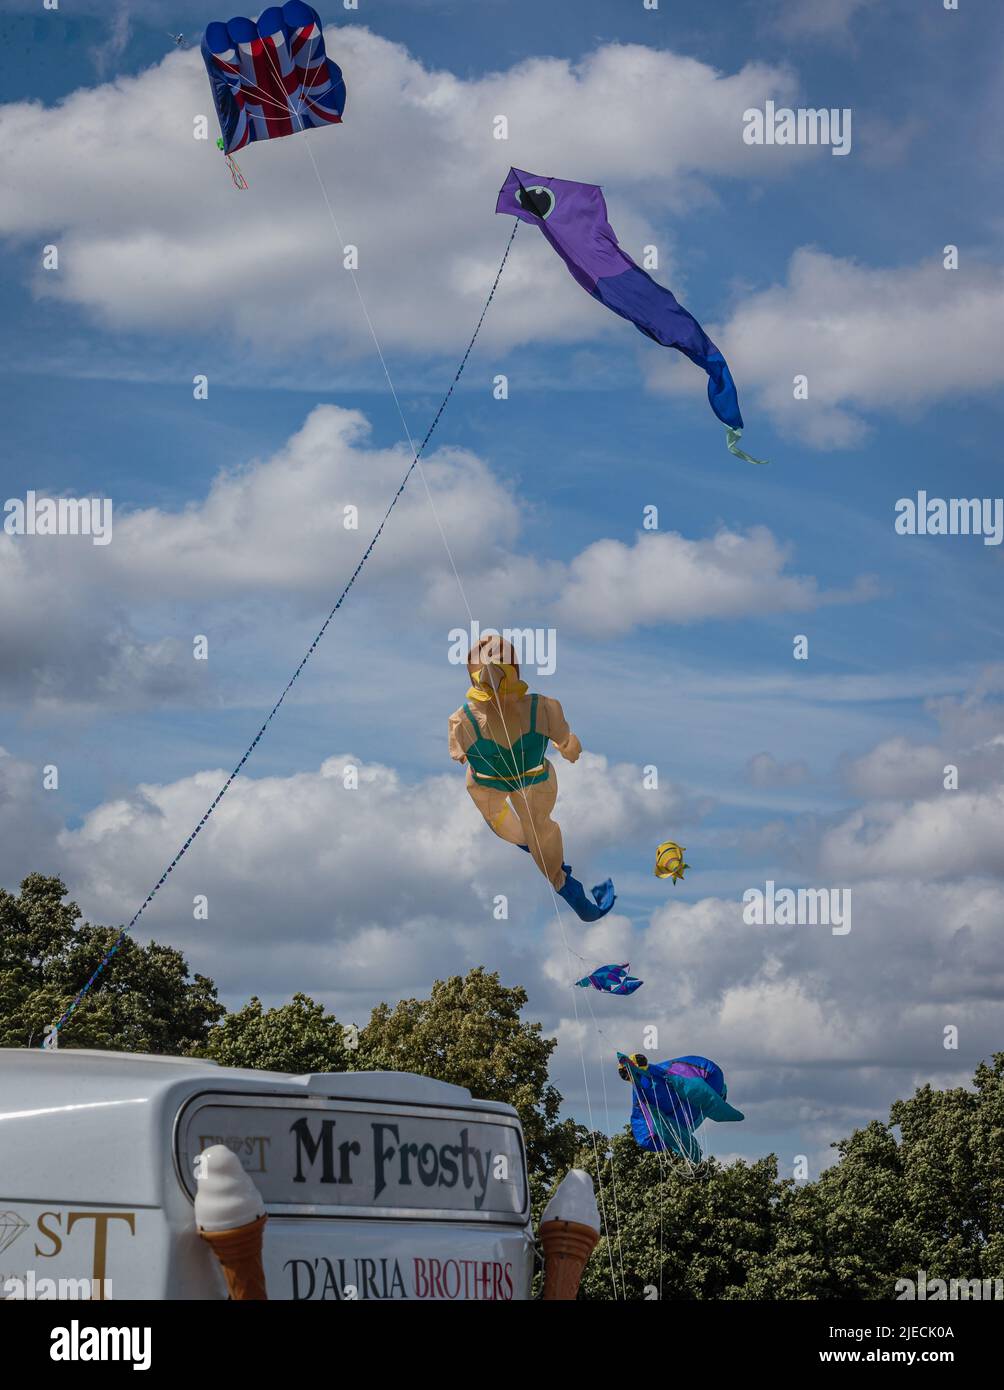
<point x="702" y="1099"/>
<point x="575" y="896"/>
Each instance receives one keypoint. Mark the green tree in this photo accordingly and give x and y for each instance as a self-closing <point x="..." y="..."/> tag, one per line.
<point x="931" y="1199"/>
<point x="952" y="1145"/>
<point x="843" y="1235"/>
<point x="297" y="1037"/>
<point x="671" y="1230"/>
<point x="145" y="1001"/>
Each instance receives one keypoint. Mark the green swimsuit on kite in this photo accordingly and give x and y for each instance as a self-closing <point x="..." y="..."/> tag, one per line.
<point x="507" y="769"/>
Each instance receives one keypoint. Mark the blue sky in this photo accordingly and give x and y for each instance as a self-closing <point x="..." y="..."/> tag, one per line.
<point x="796" y="259"/>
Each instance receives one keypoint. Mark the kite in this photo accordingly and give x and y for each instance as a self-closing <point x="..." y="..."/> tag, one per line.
<point x="573" y="218"/>
<point x="271" y="77"/>
<point x="669" y="861"/>
<point x="501" y="732"/>
<point x="611" y="979"/>
<point x="673" y="1099"/>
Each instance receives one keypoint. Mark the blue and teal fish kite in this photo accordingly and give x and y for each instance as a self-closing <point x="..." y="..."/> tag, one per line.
<point x="673" y="1099"/>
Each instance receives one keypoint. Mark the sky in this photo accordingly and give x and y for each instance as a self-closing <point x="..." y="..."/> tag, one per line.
<point x="675" y="646"/>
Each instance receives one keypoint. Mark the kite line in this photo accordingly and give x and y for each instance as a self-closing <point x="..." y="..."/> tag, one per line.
<point x="116" y="946"/>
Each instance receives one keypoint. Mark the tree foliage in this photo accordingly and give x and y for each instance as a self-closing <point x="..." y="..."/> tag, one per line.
<point x="298" y="1037"/>
<point x="145" y="1002"/>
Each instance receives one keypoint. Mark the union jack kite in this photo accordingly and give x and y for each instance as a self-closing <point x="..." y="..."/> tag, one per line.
<point x="272" y="77"/>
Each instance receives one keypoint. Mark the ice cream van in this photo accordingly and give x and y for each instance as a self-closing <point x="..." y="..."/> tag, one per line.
<point x="362" y="1185"/>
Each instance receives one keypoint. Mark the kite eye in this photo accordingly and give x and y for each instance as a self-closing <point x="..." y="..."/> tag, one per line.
<point x="537" y="200"/>
<point x="640" y="1061"/>
<point x="622" y="1072"/>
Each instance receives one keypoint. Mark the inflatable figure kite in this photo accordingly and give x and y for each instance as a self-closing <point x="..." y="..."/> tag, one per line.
<point x="501" y="732"/>
<point x="673" y="1099"/>
<point x="573" y="218"/>
<point x="271" y="77"/>
<point x="611" y="979"/>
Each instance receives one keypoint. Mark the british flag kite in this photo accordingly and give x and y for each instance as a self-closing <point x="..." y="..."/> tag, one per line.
<point x="271" y="77"/>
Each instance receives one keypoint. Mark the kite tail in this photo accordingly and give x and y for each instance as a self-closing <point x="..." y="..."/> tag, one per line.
<point x="235" y="171"/>
<point x="731" y="436"/>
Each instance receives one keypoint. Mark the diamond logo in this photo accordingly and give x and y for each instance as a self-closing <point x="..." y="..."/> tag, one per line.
<point x="11" y="1226"/>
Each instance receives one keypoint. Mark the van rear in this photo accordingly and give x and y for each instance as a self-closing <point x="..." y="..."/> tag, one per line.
<point x="377" y="1185"/>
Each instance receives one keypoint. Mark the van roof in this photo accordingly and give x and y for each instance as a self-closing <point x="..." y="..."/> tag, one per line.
<point x="82" y="1125"/>
<point x="46" y="1077"/>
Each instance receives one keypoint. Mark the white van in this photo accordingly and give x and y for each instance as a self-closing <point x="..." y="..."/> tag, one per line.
<point x="377" y="1185"/>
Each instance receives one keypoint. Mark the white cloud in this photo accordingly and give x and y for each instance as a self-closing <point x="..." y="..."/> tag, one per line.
<point x="85" y="651"/>
<point x="279" y="524"/>
<point x="897" y="340"/>
<point x="952" y="834"/>
<point x="381" y="879"/>
<point x="896" y="767"/>
<point x="153" y="236"/>
<point x="276" y="527"/>
<point x="667" y="578"/>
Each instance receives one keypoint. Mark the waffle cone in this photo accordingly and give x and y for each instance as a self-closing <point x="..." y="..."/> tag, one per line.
<point x="239" y="1254"/>
<point x="567" y="1247"/>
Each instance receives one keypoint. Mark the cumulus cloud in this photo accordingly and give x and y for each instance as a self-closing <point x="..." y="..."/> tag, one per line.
<point x="896" y="767"/>
<point x="898" y="339"/>
<point x="369" y="893"/>
<point x="389" y="875"/>
<point x="955" y="833"/>
<point x="277" y="527"/>
<point x="153" y="237"/>
<point x="175" y="253"/>
<point x="281" y="523"/>
<point x="667" y="578"/>
<point x="85" y="650"/>
<point x="971" y="740"/>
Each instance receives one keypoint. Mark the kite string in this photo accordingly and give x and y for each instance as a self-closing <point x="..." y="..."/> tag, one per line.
<point x="310" y="651"/>
<point x="606" y="1108"/>
<point x="470" y="614"/>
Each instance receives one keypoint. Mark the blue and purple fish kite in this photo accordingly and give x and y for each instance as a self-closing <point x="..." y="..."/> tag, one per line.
<point x="573" y="218"/>
<point x="611" y="979"/>
<point x="673" y="1099"/>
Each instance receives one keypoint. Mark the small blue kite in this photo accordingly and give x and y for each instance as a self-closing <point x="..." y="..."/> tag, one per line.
<point x="611" y="979"/>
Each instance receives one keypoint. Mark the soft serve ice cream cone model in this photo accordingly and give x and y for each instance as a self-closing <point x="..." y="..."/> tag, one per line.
<point x="569" y="1230"/>
<point x="230" y="1216"/>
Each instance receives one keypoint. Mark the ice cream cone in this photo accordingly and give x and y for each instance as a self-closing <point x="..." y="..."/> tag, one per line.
<point x="567" y="1247"/>
<point x="239" y="1253"/>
